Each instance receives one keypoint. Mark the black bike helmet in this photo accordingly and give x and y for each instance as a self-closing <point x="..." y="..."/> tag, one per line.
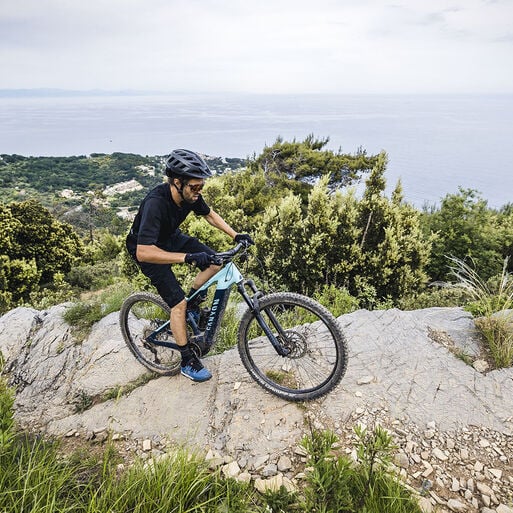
<point x="187" y="164"/>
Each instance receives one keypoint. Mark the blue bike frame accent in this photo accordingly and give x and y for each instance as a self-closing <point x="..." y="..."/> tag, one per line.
<point x="229" y="275"/>
<point x="225" y="278"/>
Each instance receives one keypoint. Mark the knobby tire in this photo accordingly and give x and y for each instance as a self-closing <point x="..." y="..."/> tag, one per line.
<point x="140" y="314"/>
<point x="318" y="354"/>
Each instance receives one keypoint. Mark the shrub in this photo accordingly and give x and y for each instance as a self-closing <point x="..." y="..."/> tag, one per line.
<point x="338" y="300"/>
<point x="6" y="412"/>
<point x="335" y="483"/>
<point x="498" y="333"/>
<point x="448" y="296"/>
<point x="93" y="276"/>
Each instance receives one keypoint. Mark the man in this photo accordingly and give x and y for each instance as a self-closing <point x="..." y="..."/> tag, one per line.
<point x="155" y="241"/>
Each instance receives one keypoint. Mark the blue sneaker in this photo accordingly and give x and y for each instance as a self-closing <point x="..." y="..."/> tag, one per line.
<point x="194" y="370"/>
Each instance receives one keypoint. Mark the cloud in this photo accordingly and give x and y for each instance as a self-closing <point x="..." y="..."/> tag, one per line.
<point x="269" y="46"/>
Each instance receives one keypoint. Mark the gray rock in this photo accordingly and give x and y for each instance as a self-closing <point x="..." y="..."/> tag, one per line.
<point x="455" y="505"/>
<point x="410" y="377"/>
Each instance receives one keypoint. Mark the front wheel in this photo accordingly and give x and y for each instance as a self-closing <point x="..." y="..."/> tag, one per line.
<point x="141" y="315"/>
<point x="316" y="358"/>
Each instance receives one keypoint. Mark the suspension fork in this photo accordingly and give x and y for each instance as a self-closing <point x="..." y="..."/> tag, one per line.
<point x="254" y="306"/>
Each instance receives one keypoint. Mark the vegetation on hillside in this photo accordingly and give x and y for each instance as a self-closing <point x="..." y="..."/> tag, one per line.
<point x="313" y="234"/>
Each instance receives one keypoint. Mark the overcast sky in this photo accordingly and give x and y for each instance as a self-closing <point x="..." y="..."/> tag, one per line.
<point x="268" y="46"/>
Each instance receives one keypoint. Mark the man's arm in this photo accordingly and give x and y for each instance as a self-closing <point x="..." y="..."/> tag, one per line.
<point x="218" y="222"/>
<point x="154" y="255"/>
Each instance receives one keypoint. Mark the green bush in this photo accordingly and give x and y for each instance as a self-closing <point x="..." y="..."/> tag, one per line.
<point x="93" y="276"/>
<point x="338" y="300"/>
<point x="447" y="296"/>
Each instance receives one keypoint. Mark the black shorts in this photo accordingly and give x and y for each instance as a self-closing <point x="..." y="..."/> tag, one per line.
<point x="162" y="276"/>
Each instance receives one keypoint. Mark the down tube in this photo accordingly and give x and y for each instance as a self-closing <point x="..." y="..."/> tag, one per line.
<point x="225" y="278"/>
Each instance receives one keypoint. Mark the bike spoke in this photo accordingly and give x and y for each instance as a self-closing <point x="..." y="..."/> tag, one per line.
<point x="143" y="319"/>
<point x="315" y="349"/>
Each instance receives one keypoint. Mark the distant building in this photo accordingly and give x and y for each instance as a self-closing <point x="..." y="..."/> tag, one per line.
<point x="122" y="188"/>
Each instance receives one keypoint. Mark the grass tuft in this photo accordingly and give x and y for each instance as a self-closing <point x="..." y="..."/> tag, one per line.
<point x="491" y="301"/>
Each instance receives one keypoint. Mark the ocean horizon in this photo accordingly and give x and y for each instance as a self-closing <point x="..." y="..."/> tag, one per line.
<point x="435" y="143"/>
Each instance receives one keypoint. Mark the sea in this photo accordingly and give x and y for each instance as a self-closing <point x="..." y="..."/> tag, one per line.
<point x="436" y="144"/>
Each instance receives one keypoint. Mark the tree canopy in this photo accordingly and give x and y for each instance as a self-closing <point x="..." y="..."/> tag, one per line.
<point x="34" y="248"/>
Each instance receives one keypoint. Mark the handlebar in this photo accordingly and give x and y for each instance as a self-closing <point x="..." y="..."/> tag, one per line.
<point x="226" y="256"/>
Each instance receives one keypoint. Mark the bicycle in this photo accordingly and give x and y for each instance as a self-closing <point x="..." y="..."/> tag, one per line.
<point x="290" y="344"/>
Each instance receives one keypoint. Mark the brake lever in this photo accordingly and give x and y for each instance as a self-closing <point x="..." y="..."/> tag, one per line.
<point x="215" y="260"/>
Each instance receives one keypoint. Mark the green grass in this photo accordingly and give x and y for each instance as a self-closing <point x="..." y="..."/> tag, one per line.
<point x="82" y="315"/>
<point x="498" y="333"/>
<point x="490" y="301"/>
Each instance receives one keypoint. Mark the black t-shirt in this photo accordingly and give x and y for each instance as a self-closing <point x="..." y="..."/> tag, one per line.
<point x="158" y="219"/>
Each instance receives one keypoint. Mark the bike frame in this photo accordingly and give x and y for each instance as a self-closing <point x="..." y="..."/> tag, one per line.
<point x="224" y="279"/>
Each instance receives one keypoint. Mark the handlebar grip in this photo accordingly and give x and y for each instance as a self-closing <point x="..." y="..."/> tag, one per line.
<point x="215" y="260"/>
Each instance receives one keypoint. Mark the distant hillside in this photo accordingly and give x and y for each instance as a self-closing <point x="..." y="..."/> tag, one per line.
<point x="19" y="175"/>
<point x="72" y="186"/>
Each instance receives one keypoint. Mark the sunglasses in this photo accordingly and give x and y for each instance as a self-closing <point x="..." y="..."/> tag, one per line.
<point x="196" y="188"/>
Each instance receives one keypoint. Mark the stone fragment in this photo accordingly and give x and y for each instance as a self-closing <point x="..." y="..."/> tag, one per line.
<point x="439" y="454"/>
<point x="484" y="488"/>
<point x="274" y="484"/>
<point x="497" y="473"/>
<point x="231" y="469"/>
<point x="401" y="460"/>
<point x="244" y="477"/>
<point x="455" y="485"/>
<point x="483" y="442"/>
<point x="214" y="459"/>
<point x="269" y="470"/>
<point x="300" y="450"/>
<point x="425" y="505"/>
<point x="365" y="380"/>
<point x="502" y="508"/>
<point x="146" y="445"/>
<point x="480" y="365"/>
<point x="260" y="461"/>
<point x="455" y="505"/>
<point x="284" y="464"/>
<point x="464" y="454"/>
<point x="478" y="466"/>
<point x="429" y="469"/>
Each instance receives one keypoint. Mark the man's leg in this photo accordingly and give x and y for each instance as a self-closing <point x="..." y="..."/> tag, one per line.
<point x="170" y="290"/>
<point x="191" y="366"/>
<point x="178" y="324"/>
<point x="205" y="275"/>
<point x="200" y="279"/>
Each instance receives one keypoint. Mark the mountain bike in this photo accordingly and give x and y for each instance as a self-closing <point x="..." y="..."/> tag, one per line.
<point x="290" y="344"/>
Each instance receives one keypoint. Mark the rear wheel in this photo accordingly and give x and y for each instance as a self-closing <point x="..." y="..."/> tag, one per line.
<point x="141" y="314"/>
<point x="317" y="348"/>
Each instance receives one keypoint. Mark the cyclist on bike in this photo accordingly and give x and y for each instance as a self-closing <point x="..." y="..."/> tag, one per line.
<point x="155" y="241"/>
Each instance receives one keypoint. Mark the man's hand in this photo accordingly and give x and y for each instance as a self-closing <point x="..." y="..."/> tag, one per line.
<point x="199" y="259"/>
<point x="245" y="238"/>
